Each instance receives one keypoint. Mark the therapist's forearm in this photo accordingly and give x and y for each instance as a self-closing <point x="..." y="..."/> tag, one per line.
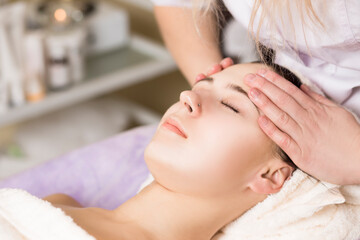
<point x="193" y="52"/>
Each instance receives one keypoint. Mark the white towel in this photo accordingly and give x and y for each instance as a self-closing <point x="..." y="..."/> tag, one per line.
<point x="26" y="217"/>
<point x="305" y="208"/>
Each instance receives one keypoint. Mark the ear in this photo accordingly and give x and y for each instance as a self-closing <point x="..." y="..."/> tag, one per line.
<point x="271" y="178"/>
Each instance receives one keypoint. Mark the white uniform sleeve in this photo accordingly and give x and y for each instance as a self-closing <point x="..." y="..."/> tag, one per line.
<point x="177" y="3"/>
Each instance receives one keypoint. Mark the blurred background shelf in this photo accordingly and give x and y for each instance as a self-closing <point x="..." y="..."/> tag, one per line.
<point x="140" y="61"/>
<point x="122" y="88"/>
<point x="146" y="5"/>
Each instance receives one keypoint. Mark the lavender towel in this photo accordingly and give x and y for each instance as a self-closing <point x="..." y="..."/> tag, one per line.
<point x="104" y="174"/>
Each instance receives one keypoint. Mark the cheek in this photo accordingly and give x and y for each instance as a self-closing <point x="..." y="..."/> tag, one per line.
<point x="225" y="156"/>
<point x="226" y="161"/>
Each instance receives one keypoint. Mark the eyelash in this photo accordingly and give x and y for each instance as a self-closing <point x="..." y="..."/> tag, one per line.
<point x="228" y="105"/>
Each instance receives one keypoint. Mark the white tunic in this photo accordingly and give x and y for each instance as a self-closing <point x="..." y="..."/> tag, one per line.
<point x="330" y="58"/>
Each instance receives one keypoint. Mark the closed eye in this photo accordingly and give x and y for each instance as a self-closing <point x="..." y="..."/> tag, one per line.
<point x="228" y="105"/>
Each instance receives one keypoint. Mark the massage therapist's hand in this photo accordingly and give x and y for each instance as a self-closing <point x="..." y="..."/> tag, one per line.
<point x="226" y="62"/>
<point x="322" y="138"/>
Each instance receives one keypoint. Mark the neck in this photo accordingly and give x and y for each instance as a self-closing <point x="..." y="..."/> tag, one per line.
<point x="162" y="214"/>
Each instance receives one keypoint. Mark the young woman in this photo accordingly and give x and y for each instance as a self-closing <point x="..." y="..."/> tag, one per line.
<point x="211" y="163"/>
<point x="317" y="39"/>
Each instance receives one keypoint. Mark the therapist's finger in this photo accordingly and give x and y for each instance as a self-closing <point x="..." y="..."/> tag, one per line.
<point x="284" y="141"/>
<point x="317" y="97"/>
<point x="214" y="69"/>
<point x="226" y="62"/>
<point x="277" y="116"/>
<point x="284" y="84"/>
<point x="199" y="77"/>
<point x="279" y="98"/>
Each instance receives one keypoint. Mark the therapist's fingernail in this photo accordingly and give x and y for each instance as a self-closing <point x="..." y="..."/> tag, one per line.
<point x="262" y="72"/>
<point x="249" y="78"/>
<point x="212" y="70"/>
<point x="305" y="87"/>
<point x="226" y="62"/>
<point x="199" y="77"/>
<point x="264" y="121"/>
<point x="254" y="93"/>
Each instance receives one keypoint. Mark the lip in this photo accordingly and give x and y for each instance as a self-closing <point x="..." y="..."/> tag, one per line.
<point x="175" y="126"/>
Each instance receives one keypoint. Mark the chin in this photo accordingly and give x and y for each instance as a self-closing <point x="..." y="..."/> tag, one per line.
<point x="153" y="162"/>
<point x="154" y="155"/>
<point x="159" y="164"/>
<point x="148" y="154"/>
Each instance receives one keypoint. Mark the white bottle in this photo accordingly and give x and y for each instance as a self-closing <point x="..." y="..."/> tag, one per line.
<point x="58" y="64"/>
<point x="16" y="85"/>
<point x="11" y="72"/>
<point x="35" y="90"/>
<point x="76" y="52"/>
<point x="16" y="36"/>
<point x="34" y="60"/>
<point x="4" y="96"/>
<point x="17" y="30"/>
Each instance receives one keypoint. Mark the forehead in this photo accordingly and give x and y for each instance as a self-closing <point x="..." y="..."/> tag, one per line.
<point x="236" y="73"/>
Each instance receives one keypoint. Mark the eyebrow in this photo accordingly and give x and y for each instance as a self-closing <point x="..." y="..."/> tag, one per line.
<point x="231" y="86"/>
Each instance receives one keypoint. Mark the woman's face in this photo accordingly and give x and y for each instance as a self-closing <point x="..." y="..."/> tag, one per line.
<point x="221" y="146"/>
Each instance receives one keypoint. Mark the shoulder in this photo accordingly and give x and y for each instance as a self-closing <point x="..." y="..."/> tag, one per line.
<point x="62" y="199"/>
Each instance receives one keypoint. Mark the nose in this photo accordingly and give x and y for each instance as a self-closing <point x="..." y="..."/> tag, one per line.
<point x="191" y="101"/>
